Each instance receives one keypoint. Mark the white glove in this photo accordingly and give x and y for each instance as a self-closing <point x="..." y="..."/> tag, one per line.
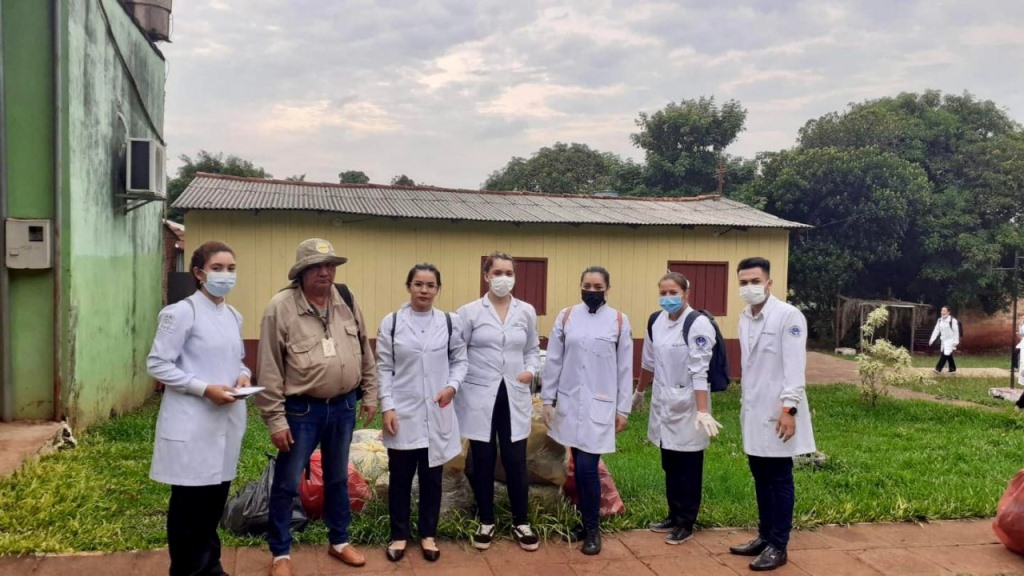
<point x="548" y="414"/>
<point x="707" y="423"/>
<point x="638" y="401"/>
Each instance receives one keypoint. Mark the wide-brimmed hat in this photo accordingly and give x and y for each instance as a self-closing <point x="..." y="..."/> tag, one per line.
<point x="314" y="252"/>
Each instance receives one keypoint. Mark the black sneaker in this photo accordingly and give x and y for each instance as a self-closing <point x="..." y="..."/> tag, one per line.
<point x="592" y="543"/>
<point x="666" y="525"/>
<point x="525" y="537"/>
<point x="483" y="536"/>
<point x="577" y="534"/>
<point x="678" y="536"/>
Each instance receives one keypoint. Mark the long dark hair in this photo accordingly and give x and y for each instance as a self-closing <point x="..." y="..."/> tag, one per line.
<point x="424" y="267"/>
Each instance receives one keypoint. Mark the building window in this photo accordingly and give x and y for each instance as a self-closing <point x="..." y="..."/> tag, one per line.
<point x="709" y="284"/>
<point x="531" y="282"/>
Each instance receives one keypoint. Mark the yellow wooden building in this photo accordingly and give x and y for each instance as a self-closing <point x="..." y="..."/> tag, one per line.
<point x="385" y="230"/>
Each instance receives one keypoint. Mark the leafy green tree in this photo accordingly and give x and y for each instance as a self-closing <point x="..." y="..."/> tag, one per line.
<point x="353" y="177"/>
<point x="402" y="180"/>
<point x="973" y="155"/>
<point x="211" y="164"/>
<point x="684" y="145"/>
<point x="296" y="178"/>
<point x="560" y="169"/>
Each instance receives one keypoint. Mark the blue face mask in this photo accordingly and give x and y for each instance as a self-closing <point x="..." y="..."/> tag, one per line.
<point x="671" y="304"/>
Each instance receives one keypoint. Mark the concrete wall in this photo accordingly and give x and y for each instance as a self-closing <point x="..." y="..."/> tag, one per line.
<point x="992" y="333"/>
<point x="114" y="289"/>
<point x="28" y="124"/>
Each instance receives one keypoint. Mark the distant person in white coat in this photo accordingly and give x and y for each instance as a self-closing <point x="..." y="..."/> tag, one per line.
<point x="495" y="406"/>
<point x="197" y="354"/>
<point x="947" y="331"/>
<point x="680" y="422"/>
<point x="1020" y="365"/>
<point x="421" y="363"/>
<point x="586" y="390"/>
<point x="774" y="414"/>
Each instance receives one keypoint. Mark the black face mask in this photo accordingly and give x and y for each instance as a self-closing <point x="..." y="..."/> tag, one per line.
<point x="593" y="300"/>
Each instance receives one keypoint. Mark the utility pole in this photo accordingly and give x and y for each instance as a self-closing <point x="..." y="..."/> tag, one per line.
<point x="721" y="175"/>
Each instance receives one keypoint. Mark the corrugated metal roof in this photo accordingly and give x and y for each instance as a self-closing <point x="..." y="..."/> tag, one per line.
<point x="218" y="192"/>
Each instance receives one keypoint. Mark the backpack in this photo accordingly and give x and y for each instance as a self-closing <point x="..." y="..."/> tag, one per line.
<point x="960" y="327"/>
<point x="394" y="322"/>
<point x="718" y="369"/>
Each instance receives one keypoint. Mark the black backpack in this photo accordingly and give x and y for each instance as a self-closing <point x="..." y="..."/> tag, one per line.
<point x="346" y="296"/>
<point x="394" y="324"/>
<point x="718" y="370"/>
<point x="960" y="327"/>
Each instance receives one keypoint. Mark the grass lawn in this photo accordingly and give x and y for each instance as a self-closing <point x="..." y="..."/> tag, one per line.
<point x="964" y="388"/>
<point x="904" y="460"/>
<point x="965" y="360"/>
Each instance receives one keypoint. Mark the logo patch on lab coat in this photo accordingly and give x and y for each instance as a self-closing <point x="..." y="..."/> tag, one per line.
<point x="166" y="324"/>
<point x="795" y="331"/>
<point x="701" y="341"/>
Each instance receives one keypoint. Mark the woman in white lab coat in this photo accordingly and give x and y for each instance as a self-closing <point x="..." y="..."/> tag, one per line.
<point x="197" y="355"/>
<point x="495" y="404"/>
<point x="947" y="331"/>
<point x="421" y="362"/>
<point x="586" y="388"/>
<point x="1020" y="364"/>
<point x="680" y="421"/>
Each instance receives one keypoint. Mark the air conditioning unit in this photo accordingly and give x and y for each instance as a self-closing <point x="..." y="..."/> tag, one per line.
<point x="145" y="170"/>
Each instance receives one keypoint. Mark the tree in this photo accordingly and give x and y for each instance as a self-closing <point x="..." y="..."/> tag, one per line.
<point x="973" y="154"/>
<point x="353" y="177"/>
<point x="212" y="164"/>
<point x="296" y="178"/>
<point x="402" y="180"/>
<point x="561" y="169"/>
<point x="683" y="145"/>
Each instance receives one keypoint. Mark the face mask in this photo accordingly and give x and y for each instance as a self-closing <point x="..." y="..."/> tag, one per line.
<point x="502" y="286"/>
<point x="671" y="304"/>
<point x="752" y="294"/>
<point x="593" y="300"/>
<point x="218" y="284"/>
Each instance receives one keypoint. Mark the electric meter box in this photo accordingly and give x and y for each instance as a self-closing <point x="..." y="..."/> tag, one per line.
<point x="28" y="244"/>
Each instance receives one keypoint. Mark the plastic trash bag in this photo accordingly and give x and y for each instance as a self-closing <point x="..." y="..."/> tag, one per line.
<point x="1009" y="522"/>
<point x="311" y="488"/>
<point x="247" y="512"/>
<point x="368" y="454"/>
<point x="611" y="501"/>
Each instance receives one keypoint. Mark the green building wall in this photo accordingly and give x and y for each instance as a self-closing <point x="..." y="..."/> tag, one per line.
<point x="111" y="281"/>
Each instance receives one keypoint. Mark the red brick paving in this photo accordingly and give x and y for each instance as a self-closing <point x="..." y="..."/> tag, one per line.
<point x="940" y="548"/>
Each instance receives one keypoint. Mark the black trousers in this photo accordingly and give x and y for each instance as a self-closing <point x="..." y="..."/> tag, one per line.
<point x="402" y="466"/>
<point x="192" y="540"/>
<point x="684" y="477"/>
<point x="513" y="460"/>
<point x="776" y="495"/>
<point x="942" y="362"/>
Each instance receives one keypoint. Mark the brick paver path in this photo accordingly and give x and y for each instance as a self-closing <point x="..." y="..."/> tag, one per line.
<point x="946" y="548"/>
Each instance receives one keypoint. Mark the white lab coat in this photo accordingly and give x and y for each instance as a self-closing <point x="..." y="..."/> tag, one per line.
<point x="1020" y="354"/>
<point x="412" y="371"/>
<point x="497" y="352"/>
<point x="947" y="330"/>
<point x="773" y="349"/>
<point x="680" y="368"/>
<point x="591" y="377"/>
<point x="197" y="442"/>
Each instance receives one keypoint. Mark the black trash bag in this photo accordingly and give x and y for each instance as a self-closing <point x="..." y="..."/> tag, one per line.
<point x="247" y="513"/>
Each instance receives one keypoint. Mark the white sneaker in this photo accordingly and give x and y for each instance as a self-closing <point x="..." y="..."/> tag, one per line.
<point x="483" y="536"/>
<point x="525" y="537"/>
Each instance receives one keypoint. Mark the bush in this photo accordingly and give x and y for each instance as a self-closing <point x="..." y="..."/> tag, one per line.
<point x="880" y="363"/>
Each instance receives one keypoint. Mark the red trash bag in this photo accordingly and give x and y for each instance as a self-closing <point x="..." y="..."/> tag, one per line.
<point x="311" y="488"/>
<point x="1009" y="522"/>
<point x="611" y="502"/>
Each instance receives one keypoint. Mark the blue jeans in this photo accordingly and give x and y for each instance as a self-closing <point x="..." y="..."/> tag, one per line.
<point x="776" y="495"/>
<point x="588" y="487"/>
<point x="330" y="424"/>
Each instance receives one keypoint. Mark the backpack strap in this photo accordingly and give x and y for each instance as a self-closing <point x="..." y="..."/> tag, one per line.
<point x="394" y="322"/>
<point x="346" y="296"/>
<point x="688" y="323"/>
<point x="565" y="320"/>
<point x="618" y="333"/>
<point x="650" y="325"/>
<point x="448" y="320"/>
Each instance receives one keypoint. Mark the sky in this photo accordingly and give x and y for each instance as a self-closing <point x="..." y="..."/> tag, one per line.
<point x="448" y="91"/>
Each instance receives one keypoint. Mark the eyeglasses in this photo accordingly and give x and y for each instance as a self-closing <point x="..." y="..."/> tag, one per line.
<point x="429" y="286"/>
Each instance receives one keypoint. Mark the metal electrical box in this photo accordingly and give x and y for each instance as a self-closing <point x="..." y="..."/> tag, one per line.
<point x="28" y="244"/>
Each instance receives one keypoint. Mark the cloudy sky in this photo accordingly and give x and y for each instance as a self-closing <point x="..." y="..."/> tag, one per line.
<point x="447" y="91"/>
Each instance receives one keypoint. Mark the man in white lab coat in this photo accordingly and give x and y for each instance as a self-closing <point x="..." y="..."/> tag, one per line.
<point x="774" y="414"/>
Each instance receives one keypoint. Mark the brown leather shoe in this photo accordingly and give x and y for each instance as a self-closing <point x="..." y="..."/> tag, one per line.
<point x="282" y="567"/>
<point x="349" y="555"/>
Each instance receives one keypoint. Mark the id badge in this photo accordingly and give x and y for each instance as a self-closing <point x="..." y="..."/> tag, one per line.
<point x="329" y="351"/>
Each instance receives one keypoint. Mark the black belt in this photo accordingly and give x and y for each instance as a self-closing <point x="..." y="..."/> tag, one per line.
<point x="316" y="400"/>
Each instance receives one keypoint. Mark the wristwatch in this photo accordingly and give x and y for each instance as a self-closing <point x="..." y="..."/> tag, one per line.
<point x="791" y="410"/>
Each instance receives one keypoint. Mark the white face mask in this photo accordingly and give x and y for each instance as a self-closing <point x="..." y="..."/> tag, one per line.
<point x="502" y="286"/>
<point x="218" y="284"/>
<point x="753" y="294"/>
